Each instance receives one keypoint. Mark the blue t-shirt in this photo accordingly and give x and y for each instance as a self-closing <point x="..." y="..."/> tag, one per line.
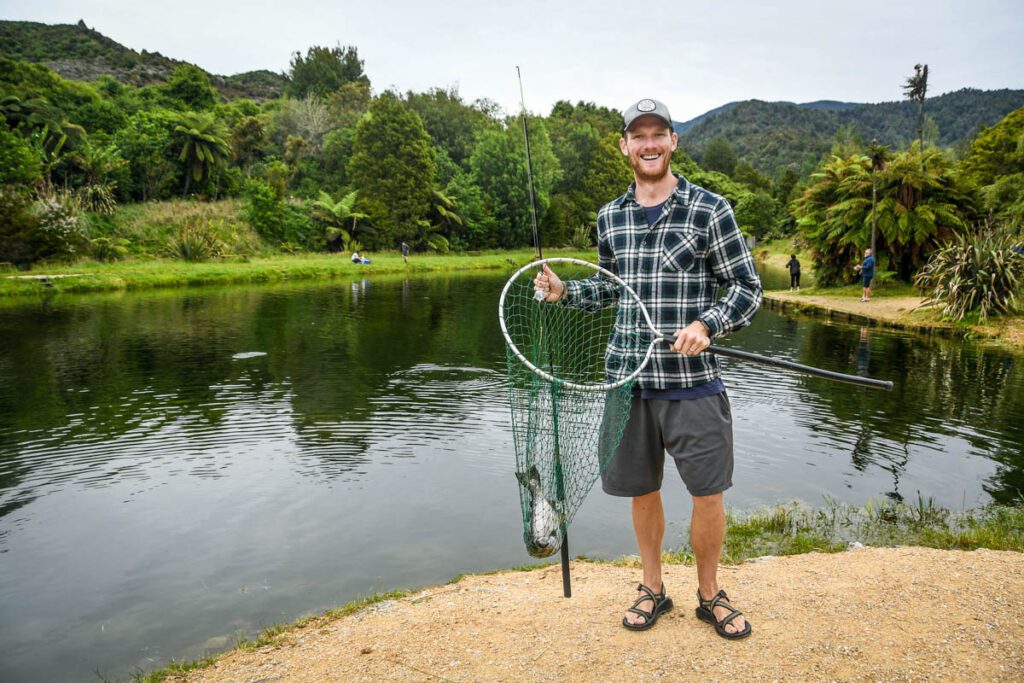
<point x="653" y="212"/>
<point x="712" y="388"/>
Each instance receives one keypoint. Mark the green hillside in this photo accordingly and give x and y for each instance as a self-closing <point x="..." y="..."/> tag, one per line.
<point x="79" y="53"/>
<point x="774" y="134"/>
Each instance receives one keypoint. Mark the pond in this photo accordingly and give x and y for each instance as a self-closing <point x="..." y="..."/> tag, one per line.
<point x="181" y="468"/>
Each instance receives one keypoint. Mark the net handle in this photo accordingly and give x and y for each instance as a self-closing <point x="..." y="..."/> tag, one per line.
<point x="790" y="365"/>
<point x="543" y="373"/>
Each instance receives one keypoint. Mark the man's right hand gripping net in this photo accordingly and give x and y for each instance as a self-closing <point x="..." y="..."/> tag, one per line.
<point x="564" y="359"/>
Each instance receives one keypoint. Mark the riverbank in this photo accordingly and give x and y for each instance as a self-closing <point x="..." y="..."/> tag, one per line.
<point x="92" y="276"/>
<point x="865" y="614"/>
<point x="812" y="591"/>
<point x="898" y="311"/>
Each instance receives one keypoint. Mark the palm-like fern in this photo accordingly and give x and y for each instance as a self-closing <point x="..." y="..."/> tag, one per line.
<point x="205" y="144"/>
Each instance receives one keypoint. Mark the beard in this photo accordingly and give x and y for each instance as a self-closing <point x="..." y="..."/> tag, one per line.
<point x="646" y="173"/>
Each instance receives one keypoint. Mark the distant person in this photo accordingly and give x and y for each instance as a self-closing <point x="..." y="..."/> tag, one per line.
<point x="356" y="258"/>
<point x="405" y="252"/>
<point x="794" y="273"/>
<point x="866" y="268"/>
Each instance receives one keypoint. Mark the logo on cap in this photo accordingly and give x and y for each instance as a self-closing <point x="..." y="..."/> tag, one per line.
<point x="646" y="105"/>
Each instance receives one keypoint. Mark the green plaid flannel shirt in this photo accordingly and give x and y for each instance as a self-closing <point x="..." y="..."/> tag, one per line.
<point x="677" y="267"/>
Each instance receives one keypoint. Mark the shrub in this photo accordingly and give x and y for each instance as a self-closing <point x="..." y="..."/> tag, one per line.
<point x="195" y="242"/>
<point x="580" y="237"/>
<point x="17" y="225"/>
<point x="97" y="197"/>
<point x="109" y="248"/>
<point x="975" y="272"/>
<point x="59" y="232"/>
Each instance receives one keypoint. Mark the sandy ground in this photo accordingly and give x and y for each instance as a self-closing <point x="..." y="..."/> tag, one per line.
<point x="872" y="614"/>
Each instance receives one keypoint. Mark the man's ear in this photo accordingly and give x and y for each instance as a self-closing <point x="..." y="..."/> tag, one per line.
<point x="623" y="146"/>
<point x="675" y="140"/>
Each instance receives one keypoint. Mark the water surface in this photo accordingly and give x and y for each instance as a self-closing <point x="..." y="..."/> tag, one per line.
<point x="177" y="468"/>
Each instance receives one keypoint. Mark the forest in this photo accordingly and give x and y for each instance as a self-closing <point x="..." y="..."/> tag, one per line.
<point x="182" y="166"/>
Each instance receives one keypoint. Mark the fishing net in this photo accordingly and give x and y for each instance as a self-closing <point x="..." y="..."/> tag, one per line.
<point x="566" y="421"/>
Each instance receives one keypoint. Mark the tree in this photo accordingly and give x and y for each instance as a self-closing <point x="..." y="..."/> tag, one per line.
<point x="98" y="163"/>
<point x="831" y="215"/>
<point x="204" y="145"/>
<point x="921" y="201"/>
<point x="479" y="227"/>
<point x="995" y="164"/>
<point x="915" y="90"/>
<point x="246" y="138"/>
<point x="191" y="86"/>
<point x="336" y="214"/>
<point x="392" y="167"/>
<point x="20" y="164"/>
<point x="719" y="156"/>
<point x="498" y="164"/>
<point x="146" y="142"/>
<point x="452" y="124"/>
<point x="323" y="70"/>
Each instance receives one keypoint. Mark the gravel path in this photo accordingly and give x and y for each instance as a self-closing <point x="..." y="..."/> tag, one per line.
<point x="874" y="614"/>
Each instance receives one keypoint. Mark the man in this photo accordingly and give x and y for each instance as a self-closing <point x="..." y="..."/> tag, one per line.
<point x="867" y="273"/>
<point x="676" y="244"/>
<point x="794" y="273"/>
<point x="405" y="252"/>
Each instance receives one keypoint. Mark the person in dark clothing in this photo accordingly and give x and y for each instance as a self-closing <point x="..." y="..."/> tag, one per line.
<point x="794" y="273"/>
<point x="867" y="273"/>
<point x="405" y="252"/>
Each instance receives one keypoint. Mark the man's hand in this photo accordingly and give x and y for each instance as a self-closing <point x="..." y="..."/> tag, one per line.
<point x="547" y="282"/>
<point x="692" y="339"/>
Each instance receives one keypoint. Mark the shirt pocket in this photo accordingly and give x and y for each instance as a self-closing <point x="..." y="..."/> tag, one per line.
<point x="680" y="251"/>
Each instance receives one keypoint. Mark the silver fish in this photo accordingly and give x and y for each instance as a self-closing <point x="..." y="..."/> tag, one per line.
<point x="542" y="538"/>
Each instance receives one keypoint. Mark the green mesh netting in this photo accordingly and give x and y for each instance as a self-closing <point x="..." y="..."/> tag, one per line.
<point x="565" y="434"/>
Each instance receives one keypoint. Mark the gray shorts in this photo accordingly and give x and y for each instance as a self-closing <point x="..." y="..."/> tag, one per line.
<point x="696" y="433"/>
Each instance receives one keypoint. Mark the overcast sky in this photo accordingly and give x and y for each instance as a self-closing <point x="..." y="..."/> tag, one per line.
<point x="694" y="55"/>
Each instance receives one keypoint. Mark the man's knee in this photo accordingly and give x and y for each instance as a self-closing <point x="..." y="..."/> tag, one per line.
<point x="714" y="501"/>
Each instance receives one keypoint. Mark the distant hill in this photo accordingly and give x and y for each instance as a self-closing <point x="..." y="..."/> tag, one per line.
<point x="682" y="127"/>
<point x="774" y="134"/>
<point x="80" y="53"/>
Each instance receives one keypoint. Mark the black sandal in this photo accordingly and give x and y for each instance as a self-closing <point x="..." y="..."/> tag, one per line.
<point x="662" y="604"/>
<point x="706" y="612"/>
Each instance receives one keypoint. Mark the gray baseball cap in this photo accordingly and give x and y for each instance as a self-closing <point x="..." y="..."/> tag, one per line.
<point x="645" y="107"/>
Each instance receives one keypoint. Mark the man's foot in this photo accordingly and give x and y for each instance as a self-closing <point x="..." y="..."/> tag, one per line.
<point x="648" y="606"/>
<point x="727" y="620"/>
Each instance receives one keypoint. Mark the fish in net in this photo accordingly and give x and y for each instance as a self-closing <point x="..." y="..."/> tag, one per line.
<point x="571" y="369"/>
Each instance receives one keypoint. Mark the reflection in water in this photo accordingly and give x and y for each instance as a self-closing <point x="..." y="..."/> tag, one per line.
<point x="161" y="454"/>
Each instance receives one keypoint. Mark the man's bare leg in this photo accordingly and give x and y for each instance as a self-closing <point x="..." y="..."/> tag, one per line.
<point x="707" y="534"/>
<point x="649" y="527"/>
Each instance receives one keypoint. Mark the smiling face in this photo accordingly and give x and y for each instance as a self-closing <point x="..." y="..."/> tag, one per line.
<point x="649" y="144"/>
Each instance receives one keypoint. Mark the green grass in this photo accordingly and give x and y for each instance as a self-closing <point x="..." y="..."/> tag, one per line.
<point x="93" y="276"/>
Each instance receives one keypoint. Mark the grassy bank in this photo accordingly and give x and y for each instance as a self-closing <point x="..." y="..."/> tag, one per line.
<point x="93" y="276"/>
<point x="791" y="529"/>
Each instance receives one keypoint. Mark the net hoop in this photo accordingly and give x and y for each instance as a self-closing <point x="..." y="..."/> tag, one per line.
<point x="607" y="386"/>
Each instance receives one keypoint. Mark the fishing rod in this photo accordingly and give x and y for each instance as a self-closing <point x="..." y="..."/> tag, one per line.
<point x="529" y="168"/>
<point x="559" y="475"/>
